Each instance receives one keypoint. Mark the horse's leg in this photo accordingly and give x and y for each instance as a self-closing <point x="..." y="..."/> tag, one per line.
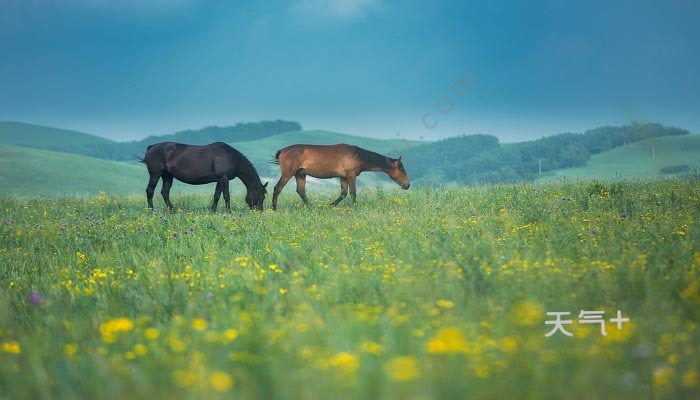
<point x="343" y="191"/>
<point x="217" y="195"/>
<point x="165" y="190"/>
<point x="151" y="188"/>
<point x="301" y="186"/>
<point x="227" y="196"/>
<point x="278" y="188"/>
<point x="352" y="180"/>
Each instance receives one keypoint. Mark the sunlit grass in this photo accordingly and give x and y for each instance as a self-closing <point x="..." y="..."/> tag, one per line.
<point x="428" y="293"/>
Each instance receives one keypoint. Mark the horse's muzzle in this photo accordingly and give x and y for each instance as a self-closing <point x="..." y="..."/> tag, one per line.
<point x="405" y="186"/>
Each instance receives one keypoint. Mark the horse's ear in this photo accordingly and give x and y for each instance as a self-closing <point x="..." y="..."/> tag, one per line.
<point x="265" y="185"/>
<point x="399" y="159"/>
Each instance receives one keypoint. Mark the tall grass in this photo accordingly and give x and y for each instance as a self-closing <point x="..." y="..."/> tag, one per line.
<point x="430" y="293"/>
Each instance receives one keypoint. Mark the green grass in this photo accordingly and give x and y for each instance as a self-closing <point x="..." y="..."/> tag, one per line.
<point x="21" y="134"/>
<point x="637" y="159"/>
<point x="439" y="293"/>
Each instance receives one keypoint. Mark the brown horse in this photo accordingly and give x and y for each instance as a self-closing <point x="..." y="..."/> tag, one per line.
<point x="197" y="165"/>
<point x="340" y="160"/>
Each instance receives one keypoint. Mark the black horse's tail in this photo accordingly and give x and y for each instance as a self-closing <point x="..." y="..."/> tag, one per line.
<point x="143" y="159"/>
<point x="276" y="160"/>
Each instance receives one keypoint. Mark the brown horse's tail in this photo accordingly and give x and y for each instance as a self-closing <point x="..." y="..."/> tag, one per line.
<point x="276" y="160"/>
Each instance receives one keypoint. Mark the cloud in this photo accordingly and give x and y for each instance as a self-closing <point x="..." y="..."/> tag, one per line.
<point x="337" y="9"/>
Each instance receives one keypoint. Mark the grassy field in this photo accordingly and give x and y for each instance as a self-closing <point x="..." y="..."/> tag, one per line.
<point x="431" y="293"/>
<point x="638" y="160"/>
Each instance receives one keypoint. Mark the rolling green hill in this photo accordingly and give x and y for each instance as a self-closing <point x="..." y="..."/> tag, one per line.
<point x="32" y="172"/>
<point x="25" y="171"/>
<point x="637" y="160"/>
<point x="37" y="136"/>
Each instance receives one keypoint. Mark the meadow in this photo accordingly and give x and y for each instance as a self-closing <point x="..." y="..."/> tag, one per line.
<point x="432" y="293"/>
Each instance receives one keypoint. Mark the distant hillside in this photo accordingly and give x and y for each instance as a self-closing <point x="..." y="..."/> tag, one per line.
<point x="657" y="157"/>
<point x="482" y="159"/>
<point x="25" y="171"/>
<point x="41" y="137"/>
<point x="44" y="137"/>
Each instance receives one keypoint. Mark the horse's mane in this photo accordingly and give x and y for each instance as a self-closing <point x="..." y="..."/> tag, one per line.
<point x="371" y="158"/>
<point x="247" y="172"/>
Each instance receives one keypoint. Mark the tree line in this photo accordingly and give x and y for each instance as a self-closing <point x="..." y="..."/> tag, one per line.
<point x="122" y="151"/>
<point x="482" y="159"/>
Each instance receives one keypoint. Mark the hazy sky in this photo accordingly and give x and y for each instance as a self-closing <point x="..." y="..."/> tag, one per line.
<point x="126" y="69"/>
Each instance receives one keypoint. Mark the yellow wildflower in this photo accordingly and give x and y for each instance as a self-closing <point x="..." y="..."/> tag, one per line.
<point x="345" y="362"/>
<point x="140" y="350"/>
<point x="151" y="333"/>
<point x="110" y="328"/>
<point x="661" y="378"/>
<point x="199" y="324"/>
<point x="70" y="349"/>
<point x="690" y="378"/>
<point x="231" y="334"/>
<point x="446" y="304"/>
<point x="402" y="369"/>
<point x="371" y="348"/>
<point x="527" y="314"/>
<point x="447" y="340"/>
<point x="221" y="381"/>
<point x="11" y="347"/>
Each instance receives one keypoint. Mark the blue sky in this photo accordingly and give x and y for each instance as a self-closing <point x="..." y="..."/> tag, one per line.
<point x="126" y="69"/>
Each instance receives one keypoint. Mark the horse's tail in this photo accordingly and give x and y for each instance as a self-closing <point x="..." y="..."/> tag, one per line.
<point x="276" y="160"/>
<point x="143" y="159"/>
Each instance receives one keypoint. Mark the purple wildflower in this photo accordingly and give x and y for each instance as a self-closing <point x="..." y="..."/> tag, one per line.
<point x="35" y="298"/>
<point x="594" y="231"/>
<point x="623" y="215"/>
<point x="174" y="234"/>
<point x="210" y="296"/>
<point x="78" y="234"/>
<point x="191" y="228"/>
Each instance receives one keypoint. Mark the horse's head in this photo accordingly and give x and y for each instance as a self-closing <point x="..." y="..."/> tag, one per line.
<point x="255" y="197"/>
<point x="398" y="174"/>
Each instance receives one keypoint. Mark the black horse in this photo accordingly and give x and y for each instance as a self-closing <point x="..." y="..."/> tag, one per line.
<point x="197" y="165"/>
